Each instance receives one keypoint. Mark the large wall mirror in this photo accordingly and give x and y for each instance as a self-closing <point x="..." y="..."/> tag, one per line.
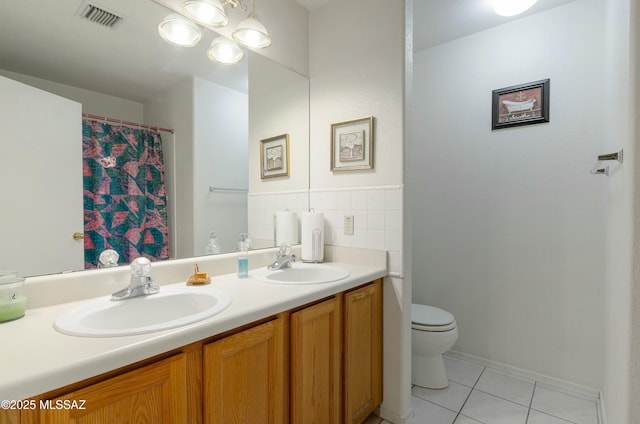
<point x="211" y="118"/>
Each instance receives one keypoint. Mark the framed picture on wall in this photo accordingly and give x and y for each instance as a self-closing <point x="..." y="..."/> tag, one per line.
<point x="352" y="145"/>
<point x="274" y="156"/>
<point x="523" y="104"/>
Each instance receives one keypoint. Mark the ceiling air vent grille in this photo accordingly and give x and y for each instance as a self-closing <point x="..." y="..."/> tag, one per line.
<point x="100" y="16"/>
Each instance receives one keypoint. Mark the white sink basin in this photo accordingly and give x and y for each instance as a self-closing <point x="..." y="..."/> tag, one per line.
<point x="301" y="273"/>
<point x="172" y="307"/>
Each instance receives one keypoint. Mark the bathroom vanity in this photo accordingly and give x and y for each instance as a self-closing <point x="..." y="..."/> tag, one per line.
<point x="277" y="354"/>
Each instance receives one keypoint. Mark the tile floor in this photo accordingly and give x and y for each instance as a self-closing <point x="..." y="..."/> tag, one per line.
<point x="482" y="395"/>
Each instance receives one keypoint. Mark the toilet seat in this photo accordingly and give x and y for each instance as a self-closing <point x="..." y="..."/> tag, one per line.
<point x="430" y="318"/>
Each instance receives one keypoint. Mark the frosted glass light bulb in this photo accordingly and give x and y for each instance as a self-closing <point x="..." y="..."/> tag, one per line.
<point x="180" y="31"/>
<point x="207" y="12"/>
<point x="225" y="51"/>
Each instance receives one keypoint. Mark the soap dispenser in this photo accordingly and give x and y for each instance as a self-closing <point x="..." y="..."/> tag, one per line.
<point x="213" y="248"/>
<point x="243" y="255"/>
<point x="13" y="301"/>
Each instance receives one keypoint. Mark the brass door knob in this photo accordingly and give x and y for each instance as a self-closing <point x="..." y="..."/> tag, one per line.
<point x="78" y="236"/>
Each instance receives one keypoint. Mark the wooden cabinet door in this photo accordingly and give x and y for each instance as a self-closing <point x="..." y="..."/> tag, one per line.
<point x="244" y="379"/>
<point x="156" y="393"/>
<point x="316" y="362"/>
<point x="9" y="416"/>
<point x="362" y="351"/>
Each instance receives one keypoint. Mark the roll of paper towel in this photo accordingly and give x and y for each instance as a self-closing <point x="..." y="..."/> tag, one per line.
<point x="286" y="228"/>
<point x="312" y="237"/>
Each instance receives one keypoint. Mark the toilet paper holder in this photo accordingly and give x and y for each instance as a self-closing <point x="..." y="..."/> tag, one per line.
<point x="601" y="171"/>
<point x="612" y="156"/>
<point x="607" y="156"/>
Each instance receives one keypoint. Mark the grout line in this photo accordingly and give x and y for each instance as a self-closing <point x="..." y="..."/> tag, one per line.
<point x="479" y="377"/>
<point x="469" y="395"/>
<point x="557" y="417"/>
<point x="502" y="398"/>
<point x="533" y="393"/>
<point x="435" y="404"/>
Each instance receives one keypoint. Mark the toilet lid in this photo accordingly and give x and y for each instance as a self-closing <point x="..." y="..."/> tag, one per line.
<point x="430" y="316"/>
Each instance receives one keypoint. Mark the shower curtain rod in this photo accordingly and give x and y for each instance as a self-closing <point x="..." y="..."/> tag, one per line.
<point x="127" y="123"/>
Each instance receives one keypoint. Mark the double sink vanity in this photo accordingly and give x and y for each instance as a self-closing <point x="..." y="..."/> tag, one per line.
<point x="297" y="345"/>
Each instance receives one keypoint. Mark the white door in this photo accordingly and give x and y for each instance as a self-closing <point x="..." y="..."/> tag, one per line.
<point x="41" y="204"/>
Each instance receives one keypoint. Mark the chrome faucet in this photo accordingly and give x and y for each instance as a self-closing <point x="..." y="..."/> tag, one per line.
<point x="141" y="283"/>
<point x="284" y="257"/>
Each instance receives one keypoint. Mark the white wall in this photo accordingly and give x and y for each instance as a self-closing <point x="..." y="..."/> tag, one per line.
<point x="220" y="160"/>
<point x="357" y="70"/>
<point x="630" y="145"/>
<point x="175" y="109"/>
<point x="92" y="102"/>
<point x="621" y="321"/>
<point x="278" y="104"/>
<point x="508" y="224"/>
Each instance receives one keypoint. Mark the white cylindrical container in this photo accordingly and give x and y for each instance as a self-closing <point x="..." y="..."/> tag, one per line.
<point x="13" y="301"/>
<point x="286" y="228"/>
<point x="312" y="236"/>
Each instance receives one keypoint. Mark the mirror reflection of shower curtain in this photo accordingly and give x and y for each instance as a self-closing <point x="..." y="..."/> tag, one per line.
<point x="125" y="201"/>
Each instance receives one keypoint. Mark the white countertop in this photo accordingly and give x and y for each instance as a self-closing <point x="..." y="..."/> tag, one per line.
<point x="36" y="358"/>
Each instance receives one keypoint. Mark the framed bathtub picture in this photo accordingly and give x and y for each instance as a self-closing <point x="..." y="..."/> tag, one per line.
<point x="274" y="156"/>
<point x="523" y="104"/>
<point x="352" y="145"/>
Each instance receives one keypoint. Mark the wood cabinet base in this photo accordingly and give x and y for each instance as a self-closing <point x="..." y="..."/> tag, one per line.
<point x="320" y="363"/>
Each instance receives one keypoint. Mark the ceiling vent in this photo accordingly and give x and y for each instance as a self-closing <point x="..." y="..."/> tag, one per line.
<point x="99" y="15"/>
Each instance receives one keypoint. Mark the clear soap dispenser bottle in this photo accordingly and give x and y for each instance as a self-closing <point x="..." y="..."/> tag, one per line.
<point x="213" y="248"/>
<point x="243" y="255"/>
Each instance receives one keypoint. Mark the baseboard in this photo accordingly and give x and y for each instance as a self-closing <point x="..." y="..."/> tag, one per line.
<point x="552" y="382"/>
<point x="394" y="418"/>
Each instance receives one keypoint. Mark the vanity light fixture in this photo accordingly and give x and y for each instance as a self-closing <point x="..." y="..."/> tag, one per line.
<point x="512" y="7"/>
<point x="183" y="31"/>
<point x="206" y="12"/>
<point x="225" y="51"/>
<point x="178" y="30"/>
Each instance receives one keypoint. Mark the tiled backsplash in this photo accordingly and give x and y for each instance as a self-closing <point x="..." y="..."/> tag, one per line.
<point x="377" y="213"/>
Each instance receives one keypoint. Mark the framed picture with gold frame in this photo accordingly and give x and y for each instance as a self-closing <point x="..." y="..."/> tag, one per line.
<point x="352" y="145"/>
<point x="274" y="156"/>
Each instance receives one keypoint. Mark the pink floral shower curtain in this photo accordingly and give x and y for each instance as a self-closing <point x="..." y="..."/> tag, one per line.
<point x="125" y="203"/>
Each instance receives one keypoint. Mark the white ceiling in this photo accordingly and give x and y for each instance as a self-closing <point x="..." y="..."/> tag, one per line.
<point x="48" y="39"/>
<point x="439" y="21"/>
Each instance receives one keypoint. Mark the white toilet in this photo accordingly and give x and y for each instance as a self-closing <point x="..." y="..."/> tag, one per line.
<point x="433" y="332"/>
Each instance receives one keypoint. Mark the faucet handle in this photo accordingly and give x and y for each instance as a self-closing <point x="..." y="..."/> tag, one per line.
<point x="141" y="267"/>
<point x="108" y="258"/>
<point x="285" y="248"/>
